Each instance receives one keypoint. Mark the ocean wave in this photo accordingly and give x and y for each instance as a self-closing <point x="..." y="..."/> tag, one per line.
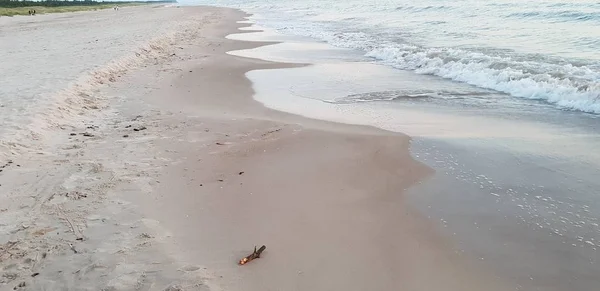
<point x="433" y="38"/>
<point x="407" y="95"/>
<point x="557" y="16"/>
<point x="568" y="84"/>
<point x="412" y="8"/>
<point x="565" y="85"/>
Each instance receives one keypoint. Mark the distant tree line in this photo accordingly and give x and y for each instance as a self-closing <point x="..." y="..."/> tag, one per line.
<point x="57" y="3"/>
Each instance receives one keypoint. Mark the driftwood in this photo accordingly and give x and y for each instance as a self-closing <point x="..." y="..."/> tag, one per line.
<point x="254" y="255"/>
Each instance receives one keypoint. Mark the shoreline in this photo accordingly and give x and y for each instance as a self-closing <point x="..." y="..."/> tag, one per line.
<point x="185" y="172"/>
<point x="530" y="228"/>
<point x="220" y="193"/>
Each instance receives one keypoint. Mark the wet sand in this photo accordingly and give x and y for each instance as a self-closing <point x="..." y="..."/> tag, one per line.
<point x="180" y="173"/>
<point x="514" y="185"/>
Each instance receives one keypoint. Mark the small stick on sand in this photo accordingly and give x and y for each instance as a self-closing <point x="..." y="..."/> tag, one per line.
<point x="254" y="255"/>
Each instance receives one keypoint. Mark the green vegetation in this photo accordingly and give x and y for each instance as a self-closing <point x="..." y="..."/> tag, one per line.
<point x="4" y="11"/>
<point x="14" y="7"/>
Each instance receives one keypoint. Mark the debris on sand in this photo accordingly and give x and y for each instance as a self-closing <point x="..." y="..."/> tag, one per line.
<point x="174" y="288"/>
<point x="21" y="285"/>
<point x="5" y="249"/>
<point x="72" y="247"/>
<point x="254" y="255"/>
<point x="145" y="235"/>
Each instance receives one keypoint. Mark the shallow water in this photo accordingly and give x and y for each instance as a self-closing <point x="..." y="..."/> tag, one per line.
<point x="532" y="219"/>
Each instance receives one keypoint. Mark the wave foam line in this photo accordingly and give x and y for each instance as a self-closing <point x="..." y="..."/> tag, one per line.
<point x="565" y="85"/>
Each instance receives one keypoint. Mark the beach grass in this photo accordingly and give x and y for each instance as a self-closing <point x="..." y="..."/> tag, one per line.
<point x="12" y="11"/>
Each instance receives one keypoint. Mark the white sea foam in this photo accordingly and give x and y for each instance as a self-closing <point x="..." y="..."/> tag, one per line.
<point x="567" y="86"/>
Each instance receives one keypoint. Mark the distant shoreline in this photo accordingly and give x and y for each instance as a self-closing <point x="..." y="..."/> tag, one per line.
<point x="12" y="8"/>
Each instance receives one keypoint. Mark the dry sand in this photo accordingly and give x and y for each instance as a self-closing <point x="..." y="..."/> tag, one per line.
<point x="183" y="173"/>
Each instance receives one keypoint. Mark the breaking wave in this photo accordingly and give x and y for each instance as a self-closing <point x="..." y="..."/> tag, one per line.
<point x="563" y="84"/>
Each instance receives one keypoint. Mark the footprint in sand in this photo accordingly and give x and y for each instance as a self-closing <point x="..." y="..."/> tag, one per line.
<point x="190" y="268"/>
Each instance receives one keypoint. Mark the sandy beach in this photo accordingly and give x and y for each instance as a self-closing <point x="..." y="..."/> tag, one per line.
<point x="139" y="155"/>
<point x="174" y="173"/>
<point x="325" y="198"/>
